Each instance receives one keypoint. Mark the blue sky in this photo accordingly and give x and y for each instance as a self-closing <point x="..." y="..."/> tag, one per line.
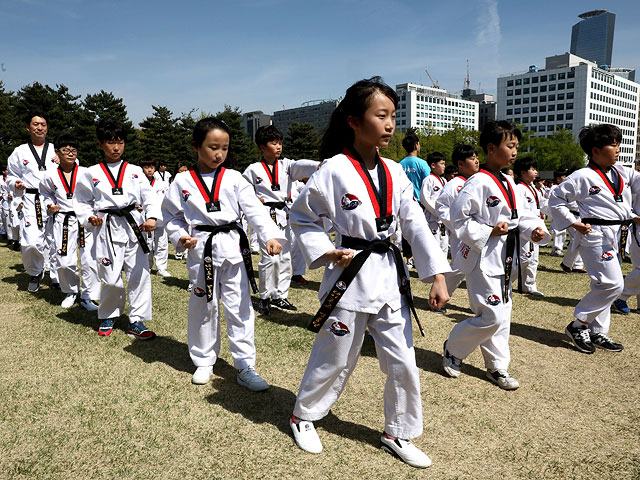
<point x="266" y="54"/>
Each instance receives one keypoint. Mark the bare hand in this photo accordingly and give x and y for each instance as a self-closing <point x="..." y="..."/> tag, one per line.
<point x="501" y="228"/>
<point x="95" y="221"/>
<point x="273" y="247"/>
<point x="188" y="242"/>
<point x="438" y="295"/>
<point x="583" y="228"/>
<point x="149" y="225"/>
<point x="139" y="208"/>
<point x="637" y="220"/>
<point x="20" y="185"/>
<point x="55" y="159"/>
<point x="53" y="208"/>
<point x="537" y="234"/>
<point x="342" y="258"/>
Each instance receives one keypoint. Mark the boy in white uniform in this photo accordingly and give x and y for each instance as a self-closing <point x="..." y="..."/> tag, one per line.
<point x="604" y="196"/>
<point x="27" y="166"/>
<point x="271" y="179"/>
<point x="431" y="189"/>
<point x="4" y="205"/>
<point x="157" y="240"/>
<point x="162" y="174"/>
<point x="106" y="198"/>
<point x="486" y="218"/>
<point x="465" y="158"/>
<point x="69" y="236"/>
<point x="526" y="171"/>
<point x="559" y="234"/>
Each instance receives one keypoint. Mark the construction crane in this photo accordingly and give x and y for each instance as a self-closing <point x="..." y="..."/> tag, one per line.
<point x="435" y="84"/>
<point x="467" y="81"/>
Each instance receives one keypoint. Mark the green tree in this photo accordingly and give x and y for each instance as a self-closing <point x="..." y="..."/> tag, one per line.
<point x="302" y="141"/>
<point x="241" y="146"/>
<point x="184" y="133"/>
<point x="558" y="152"/>
<point x="160" y="137"/>
<point x="10" y="125"/>
<point x="394" y="150"/>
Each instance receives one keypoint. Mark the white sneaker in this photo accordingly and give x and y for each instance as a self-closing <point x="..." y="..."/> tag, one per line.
<point x="503" y="379"/>
<point x="202" y="375"/>
<point x="179" y="256"/>
<point x="249" y="378"/>
<point x="69" y="300"/>
<point x="305" y="435"/>
<point x="405" y="451"/>
<point x="164" y="273"/>
<point x="88" y="305"/>
<point x="450" y="363"/>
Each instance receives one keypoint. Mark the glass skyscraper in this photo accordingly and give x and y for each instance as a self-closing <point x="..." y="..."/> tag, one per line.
<point x="592" y="37"/>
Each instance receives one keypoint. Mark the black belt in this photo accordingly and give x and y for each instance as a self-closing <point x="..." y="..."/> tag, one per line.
<point x="272" y="210"/>
<point x="511" y="254"/>
<point x="207" y="260"/>
<point x="602" y="221"/>
<point x="36" y="192"/>
<point x="349" y="273"/>
<point x="65" y="232"/>
<point x="126" y="213"/>
<point x="624" y="232"/>
<point x="575" y="212"/>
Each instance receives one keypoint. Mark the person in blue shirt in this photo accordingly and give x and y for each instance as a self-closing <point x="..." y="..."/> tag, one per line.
<point x="415" y="167"/>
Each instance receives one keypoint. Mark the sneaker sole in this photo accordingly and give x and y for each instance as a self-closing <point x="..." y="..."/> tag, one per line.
<point x="608" y="349"/>
<point x="105" y="334"/>
<point x="503" y="387"/>
<point x="140" y="337"/>
<point x="581" y="350"/>
<point x="393" y="453"/>
<point x="253" y="389"/>
<point x="284" y="309"/>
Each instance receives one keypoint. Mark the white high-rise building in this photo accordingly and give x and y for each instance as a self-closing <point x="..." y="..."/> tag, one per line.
<point x="570" y="93"/>
<point x="421" y="106"/>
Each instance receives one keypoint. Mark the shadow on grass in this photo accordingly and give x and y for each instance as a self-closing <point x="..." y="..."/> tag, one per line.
<point x="181" y="283"/>
<point x="274" y="407"/>
<point x="432" y="362"/>
<point x="79" y="316"/>
<point x="310" y="285"/>
<point x="550" y="338"/>
<point x="167" y="350"/>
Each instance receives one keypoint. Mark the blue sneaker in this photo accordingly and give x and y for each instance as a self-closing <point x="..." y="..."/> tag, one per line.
<point x="621" y="306"/>
<point x="106" y="327"/>
<point x="139" y="331"/>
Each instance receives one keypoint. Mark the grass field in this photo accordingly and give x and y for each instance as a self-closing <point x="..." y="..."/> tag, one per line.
<point x="76" y="406"/>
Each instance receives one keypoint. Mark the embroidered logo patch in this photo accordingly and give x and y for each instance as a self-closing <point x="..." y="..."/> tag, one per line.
<point x="341" y="286"/>
<point x="528" y="254"/>
<point x="493" y="300"/>
<point x="95" y="182"/>
<point x="459" y="188"/>
<point x="25" y="162"/>
<point x="349" y="202"/>
<point x="493" y="201"/>
<point x="135" y="175"/>
<point x="606" y="256"/>
<point x="258" y="180"/>
<point x="464" y="250"/>
<point x="594" y="190"/>
<point x="529" y="199"/>
<point x="198" y="292"/>
<point x="27" y="224"/>
<point x="59" y="251"/>
<point x="185" y="195"/>
<point x="436" y="188"/>
<point x="106" y="262"/>
<point x="339" y="329"/>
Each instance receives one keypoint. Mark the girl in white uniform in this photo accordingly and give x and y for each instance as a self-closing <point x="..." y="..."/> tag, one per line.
<point x="69" y="236"/>
<point x="202" y="211"/>
<point x="604" y="196"/>
<point x="158" y="240"/>
<point x="364" y="197"/>
<point x="432" y="186"/>
<point x="487" y="218"/>
<point x="106" y="197"/>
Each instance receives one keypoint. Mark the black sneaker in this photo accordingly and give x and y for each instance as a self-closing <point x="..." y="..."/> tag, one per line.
<point x="565" y="269"/>
<point x="600" y="340"/>
<point x="264" y="306"/>
<point x="283" y="304"/>
<point x="16" y="246"/>
<point x="34" y="283"/>
<point x="580" y="338"/>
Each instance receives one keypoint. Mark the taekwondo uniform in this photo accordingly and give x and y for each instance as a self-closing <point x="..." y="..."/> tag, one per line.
<point x="272" y="185"/>
<point x="111" y="192"/>
<point x="162" y="176"/>
<point x="604" y="201"/>
<point x="443" y="209"/>
<point x="69" y="235"/>
<point x="158" y="240"/>
<point x="4" y="208"/>
<point x="529" y="251"/>
<point x="29" y="164"/>
<point x="559" y="235"/>
<point x="208" y="207"/>
<point x="488" y="262"/>
<point x="431" y="189"/>
<point x="377" y="298"/>
<point x="298" y="264"/>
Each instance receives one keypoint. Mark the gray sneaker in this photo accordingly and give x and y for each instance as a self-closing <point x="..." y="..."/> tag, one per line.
<point x="450" y="363"/>
<point x="34" y="283"/>
<point x="250" y="379"/>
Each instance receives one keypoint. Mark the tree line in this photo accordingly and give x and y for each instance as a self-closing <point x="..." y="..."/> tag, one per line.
<point x="167" y="137"/>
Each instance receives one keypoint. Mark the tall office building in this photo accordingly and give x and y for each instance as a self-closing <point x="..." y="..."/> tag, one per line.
<point x="570" y="93"/>
<point x="315" y="112"/>
<point x="488" y="106"/>
<point x="421" y="106"/>
<point x="592" y="37"/>
<point x="251" y="121"/>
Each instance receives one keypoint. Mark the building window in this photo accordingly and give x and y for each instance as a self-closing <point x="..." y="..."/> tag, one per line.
<point x="552" y="98"/>
<point x="569" y="116"/>
<point x="525" y="91"/>
<point x="550" y="118"/>
<point x="518" y="101"/>
<point x="534" y="109"/>
<point x="509" y="111"/>
<point x="561" y="106"/>
<point x="516" y="120"/>
<point x="561" y="76"/>
<point x="569" y="126"/>
<point x="525" y="100"/>
<point x="534" y="89"/>
<point x="509" y="83"/>
<point x="518" y="91"/>
<point x="571" y="74"/>
<point x="561" y="96"/>
<point x="543" y="108"/>
<point x="560" y="116"/>
<point x="534" y="79"/>
<point x="543" y="88"/>
<point x="552" y="108"/>
<point x="534" y="119"/>
<point x="561" y="86"/>
<point x="517" y="111"/>
<point x="542" y="118"/>
<point x="534" y="99"/>
<point x="552" y="77"/>
<point x="543" y="78"/>
<point x="552" y="87"/>
<point x="534" y="129"/>
<point x="569" y="95"/>
<point x="510" y="102"/>
<point x="569" y="106"/>
<point x="525" y="110"/>
<point x="509" y="93"/>
<point x="570" y="84"/>
<point x="525" y="119"/>
<point x="518" y="81"/>
<point x="542" y="128"/>
<point x="543" y="98"/>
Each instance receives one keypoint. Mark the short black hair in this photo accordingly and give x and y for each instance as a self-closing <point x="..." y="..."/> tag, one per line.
<point x="66" y="139"/>
<point x="410" y="141"/>
<point x="522" y="164"/>
<point x="34" y="113"/>
<point x="147" y="161"/>
<point x="496" y="132"/>
<point x="599" y="136"/>
<point x="506" y="169"/>
<point x="449" y="169"/>
<point x="266" y="134"/>
<point x="461" y="152"/>
<point x="435" y="157"/>
<point x="559" y="173"/>
<point x="109" y="129"/>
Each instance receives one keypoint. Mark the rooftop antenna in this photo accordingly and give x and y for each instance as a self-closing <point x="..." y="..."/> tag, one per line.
<point x="467" y="82"/>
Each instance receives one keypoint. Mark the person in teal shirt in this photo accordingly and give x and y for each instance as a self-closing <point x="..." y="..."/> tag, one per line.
<point x="415" y="167"/>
